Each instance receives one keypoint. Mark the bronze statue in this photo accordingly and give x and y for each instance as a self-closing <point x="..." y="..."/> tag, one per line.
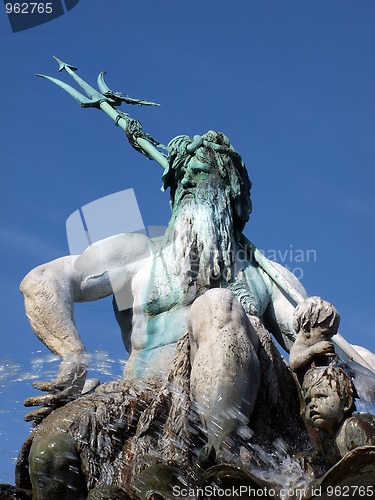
<point x="204" y="384"/>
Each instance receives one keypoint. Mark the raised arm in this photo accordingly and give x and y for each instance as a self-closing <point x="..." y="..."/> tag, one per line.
<point x="50" y="291"/>
<point x="302" y="355"/>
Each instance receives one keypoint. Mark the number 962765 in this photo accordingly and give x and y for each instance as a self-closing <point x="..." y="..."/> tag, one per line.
<point x="29" y="8"/>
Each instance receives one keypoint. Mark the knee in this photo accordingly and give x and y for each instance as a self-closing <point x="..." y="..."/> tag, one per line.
<point x="217" y="301"/>
<point x="218" y="310"/>
<point x="55" y="469"/>
<point x="217" y="295"/>
<point x="54" y="452"/>
<point x="41" y="450"/>
<point x="217" y="306"/>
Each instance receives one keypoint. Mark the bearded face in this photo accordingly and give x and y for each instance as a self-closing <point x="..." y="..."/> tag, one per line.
<point x="201" y="234"/>
<point x="213" y="150"/>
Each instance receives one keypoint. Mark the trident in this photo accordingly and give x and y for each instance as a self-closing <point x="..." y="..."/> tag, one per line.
<point x="105" y="100"/>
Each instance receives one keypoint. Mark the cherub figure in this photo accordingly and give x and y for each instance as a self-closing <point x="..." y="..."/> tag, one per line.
<point x="328" y="412"/>
<point x="315" y="322"/>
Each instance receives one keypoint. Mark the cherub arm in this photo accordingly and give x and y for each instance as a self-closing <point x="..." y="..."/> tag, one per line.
<point x="301" y="354"/>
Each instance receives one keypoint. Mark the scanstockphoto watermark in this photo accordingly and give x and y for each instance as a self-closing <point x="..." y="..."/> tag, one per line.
<point x="244" y="491"/>
<point x="24" y="15"/>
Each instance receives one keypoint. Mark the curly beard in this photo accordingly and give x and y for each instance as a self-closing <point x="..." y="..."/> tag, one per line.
<point x="200" y="239"/>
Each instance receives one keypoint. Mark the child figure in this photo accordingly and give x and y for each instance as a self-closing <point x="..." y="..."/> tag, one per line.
<point x="328" y="409"/>
<point x="315" y="321"/>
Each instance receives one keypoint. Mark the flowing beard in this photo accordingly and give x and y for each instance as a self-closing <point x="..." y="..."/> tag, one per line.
<point x="201" y="240"/>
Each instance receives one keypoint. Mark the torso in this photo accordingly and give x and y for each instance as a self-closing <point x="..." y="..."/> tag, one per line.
<point x="161" y="308"/>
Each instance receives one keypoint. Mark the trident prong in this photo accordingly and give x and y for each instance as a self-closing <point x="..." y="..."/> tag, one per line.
<point x="95" y="98"/>
<point x="80" y="98"/>
<point x="105" y="90"/>
<point x="63" y="65"/>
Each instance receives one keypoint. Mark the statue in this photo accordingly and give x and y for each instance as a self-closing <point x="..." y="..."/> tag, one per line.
<point x="202" y="365"/>
<point x="209" y="293"/>
<point x="343" y="438"/>
<point x="315" y="321"/>
<point x="329" y="407"/>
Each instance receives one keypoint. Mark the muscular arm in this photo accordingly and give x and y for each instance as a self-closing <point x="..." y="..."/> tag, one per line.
<point x="50" y="291"/>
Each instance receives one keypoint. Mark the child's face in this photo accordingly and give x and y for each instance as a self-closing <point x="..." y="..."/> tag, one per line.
<point x="318" y="333"/>
<point x="324" y="407"/>
<point x="321" y="332"/>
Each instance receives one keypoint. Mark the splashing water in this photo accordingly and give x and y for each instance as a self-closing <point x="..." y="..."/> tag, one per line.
<point x="364" y="381"/>
<point x="15" y="387"/>
<point x="279" y="468"/>
<point x="275" y="466"/>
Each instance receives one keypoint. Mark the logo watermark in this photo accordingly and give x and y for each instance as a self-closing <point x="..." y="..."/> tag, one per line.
<point x="293" y="259"/>
<point x="96" y="223"/>
<point x="24" y="15"/>
<point x="246" y="491"/>
<point x="114" y="214"/>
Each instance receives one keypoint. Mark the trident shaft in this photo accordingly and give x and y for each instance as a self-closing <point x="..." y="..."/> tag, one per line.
<point x="105" y="100"/>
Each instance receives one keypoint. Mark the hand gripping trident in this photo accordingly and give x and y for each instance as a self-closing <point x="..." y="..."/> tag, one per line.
<point x="105" y="100"/>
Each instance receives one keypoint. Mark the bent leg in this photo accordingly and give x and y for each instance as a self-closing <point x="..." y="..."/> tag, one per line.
<point x="225" y="374"/>
<point x="55" y="470"/>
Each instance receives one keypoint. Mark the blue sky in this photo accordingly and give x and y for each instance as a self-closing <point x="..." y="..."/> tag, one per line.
<point x="291" y="83"/>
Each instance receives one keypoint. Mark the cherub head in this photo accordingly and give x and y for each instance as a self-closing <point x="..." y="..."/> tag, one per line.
<point x="316" y="319"/>
<point x="329" y="397"/>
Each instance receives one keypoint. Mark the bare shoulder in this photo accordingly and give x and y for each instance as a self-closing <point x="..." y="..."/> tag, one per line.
<point x="360" y="420"/>
<point x="357" y="430"/>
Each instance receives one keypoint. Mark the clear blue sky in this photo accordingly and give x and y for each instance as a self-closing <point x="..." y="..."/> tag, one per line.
<point x="291" y="83"/>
